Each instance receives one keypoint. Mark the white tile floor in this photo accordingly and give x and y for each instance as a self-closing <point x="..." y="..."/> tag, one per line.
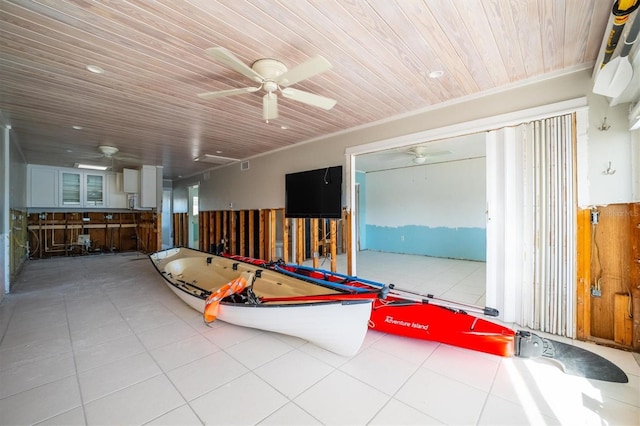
<point x="101" y="340"/>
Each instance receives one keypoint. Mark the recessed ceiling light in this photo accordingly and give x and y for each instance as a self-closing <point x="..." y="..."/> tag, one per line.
<point x="77" y="127"/>
<point x="436" y="74"/>
<point x="284" y="127"/>
<point x="95" y="69"/>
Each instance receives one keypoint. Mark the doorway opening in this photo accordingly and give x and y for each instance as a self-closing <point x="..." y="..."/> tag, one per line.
<point x="193" y="211"/>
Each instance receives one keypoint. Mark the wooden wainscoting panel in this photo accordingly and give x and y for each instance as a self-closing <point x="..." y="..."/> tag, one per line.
<point x="252" y="231"/>
<point x="285" y="237"/>
<point x="610" y="266"/>
<point x="623" y="325"/>
<point x="583" y="285"/>
<point x="314" y="243"/>
<point x="203" y="231"/>
<point x="262" y="236"/>
<point x="347" y="232"/>
<point x="634" y="273"/>
<point x="333" y="237"/>
<point x="272" y="234"/>
<point x="300" y="241"/>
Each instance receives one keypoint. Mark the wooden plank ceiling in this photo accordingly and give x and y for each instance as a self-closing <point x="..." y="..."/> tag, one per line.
<point x="153" y="55"/>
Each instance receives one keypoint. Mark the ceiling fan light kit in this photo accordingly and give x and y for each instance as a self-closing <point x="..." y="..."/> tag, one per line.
<point x="269" y="107"/>
<point x="273" y="76"/>
<point x="108" y="151"/>
<point x="421" y="154"/>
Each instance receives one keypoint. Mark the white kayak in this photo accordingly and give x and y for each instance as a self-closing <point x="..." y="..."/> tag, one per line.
<point x="327" y="317"/>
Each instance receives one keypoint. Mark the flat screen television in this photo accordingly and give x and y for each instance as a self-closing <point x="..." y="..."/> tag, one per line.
<point x="314" y="193"/>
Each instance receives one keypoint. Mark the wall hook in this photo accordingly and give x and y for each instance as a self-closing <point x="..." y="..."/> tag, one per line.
<point x="609" y="170"/>
<point x="604" y="126"/>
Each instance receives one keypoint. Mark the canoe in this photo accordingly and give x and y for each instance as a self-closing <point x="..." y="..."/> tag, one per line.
<point x="330" y="318"/>
<point x="409" y="314"/>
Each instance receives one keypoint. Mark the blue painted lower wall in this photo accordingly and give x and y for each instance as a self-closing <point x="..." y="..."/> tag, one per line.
<point x="455" y="243"/>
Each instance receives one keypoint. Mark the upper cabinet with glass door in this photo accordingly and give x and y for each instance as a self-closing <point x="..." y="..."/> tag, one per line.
<point x="71" y="188"/>
<point x="82" y="189"/>
<point x="94" y="190"/>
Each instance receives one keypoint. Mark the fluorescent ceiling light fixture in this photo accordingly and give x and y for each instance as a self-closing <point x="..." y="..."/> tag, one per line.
<point x="91" y="166"/>
<point x="215" y="159"/>
<point x="95" y="69"/>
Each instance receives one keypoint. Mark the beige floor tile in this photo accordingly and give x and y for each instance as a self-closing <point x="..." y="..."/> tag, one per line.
<point x="40" y="403"/>
<point x="136" y="404"/>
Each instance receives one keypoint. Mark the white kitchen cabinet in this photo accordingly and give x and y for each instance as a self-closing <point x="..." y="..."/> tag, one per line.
<point x="148" y="187"/>
<point x="43" y="186"/>
<point x="131" y="181"/>
<point x="116" y="198"/>
<point x="63" y="187"/>
<point x="70" y="189"/>
<point x="94" y="190"/>
<point x="82" y="189"/>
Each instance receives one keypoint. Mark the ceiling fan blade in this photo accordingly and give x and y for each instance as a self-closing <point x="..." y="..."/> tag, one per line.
<point x="230" y="92"/>
<point x="230" y="60"/>
<point x="424" y="151"/>
<point x="269" y="107"/>
<point x="308" y="98"/>
<point x="313" y="66"/>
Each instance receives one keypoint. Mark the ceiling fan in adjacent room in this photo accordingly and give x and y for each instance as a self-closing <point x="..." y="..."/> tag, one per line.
<point x="421" y="154"/>
<point x="273" y="76"/>
<point x="399" y="158"/>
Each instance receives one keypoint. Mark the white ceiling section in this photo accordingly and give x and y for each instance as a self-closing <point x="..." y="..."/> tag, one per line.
<point x="433" y="152"/>
<point x="153" y="54"/>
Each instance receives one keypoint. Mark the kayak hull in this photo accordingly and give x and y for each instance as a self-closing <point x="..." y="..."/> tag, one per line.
<point x="440" y="324"/>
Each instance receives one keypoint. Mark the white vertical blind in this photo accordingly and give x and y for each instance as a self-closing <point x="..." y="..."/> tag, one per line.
<point x="531" y="224"/>
<point x="554" y="226"/>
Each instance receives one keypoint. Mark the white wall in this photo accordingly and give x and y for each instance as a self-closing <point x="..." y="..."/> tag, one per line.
<point x="4" y="210"/>
<point x="611" y="146"/>
<point x="448" y="195"/>
<point x="13" y="190"/>
<point x="431" y="210"/>
<point x="18" y="177"/>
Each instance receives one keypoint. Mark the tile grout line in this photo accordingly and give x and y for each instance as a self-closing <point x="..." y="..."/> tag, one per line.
<point x="75" y="364"/>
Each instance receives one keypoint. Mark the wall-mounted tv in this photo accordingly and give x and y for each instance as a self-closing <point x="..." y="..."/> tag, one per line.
<point x="314" y="193"/>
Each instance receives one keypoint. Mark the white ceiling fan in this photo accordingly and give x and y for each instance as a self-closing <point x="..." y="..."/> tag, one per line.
<point x="108" y="156"/>
<point x="421" y="154"/>
<point x="273" y="76"/>
<point x="400" y="158"/>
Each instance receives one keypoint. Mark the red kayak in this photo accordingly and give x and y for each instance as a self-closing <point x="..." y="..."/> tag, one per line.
<point x="412" y="315"/>
<point x="426" y="317"/>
